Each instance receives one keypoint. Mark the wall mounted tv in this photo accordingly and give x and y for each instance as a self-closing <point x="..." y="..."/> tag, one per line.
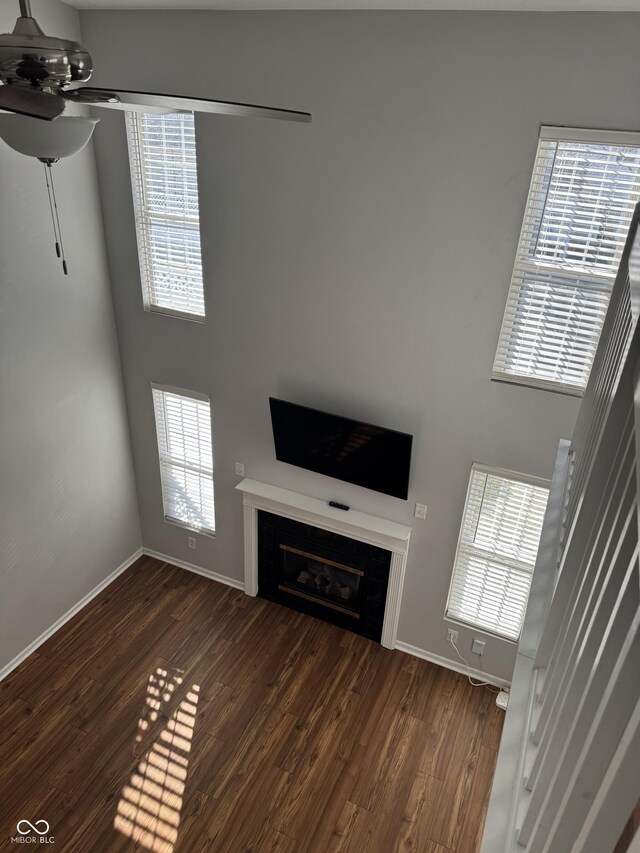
<point x="360" y="453"/>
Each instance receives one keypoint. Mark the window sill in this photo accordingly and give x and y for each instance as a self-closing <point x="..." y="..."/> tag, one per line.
<point x="210" y="534"/>
<point x="538" y="384"/>
<point x="179" y="315"/>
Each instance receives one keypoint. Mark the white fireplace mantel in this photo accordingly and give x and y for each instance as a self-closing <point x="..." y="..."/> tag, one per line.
<point x="385" y="534"/>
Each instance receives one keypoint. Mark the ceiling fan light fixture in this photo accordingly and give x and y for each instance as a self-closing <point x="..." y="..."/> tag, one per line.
<point x="46" y="140"/>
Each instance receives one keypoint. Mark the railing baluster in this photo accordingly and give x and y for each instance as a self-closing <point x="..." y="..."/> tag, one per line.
<point x="576" y="769"/>
<point x="577" y="522"/>
<point x="573" y="729"/>
<point x="617" y="796"/>
<point x="580" y="785"/>
<point x="579" y="666"/>
<point x="623" y="477"/>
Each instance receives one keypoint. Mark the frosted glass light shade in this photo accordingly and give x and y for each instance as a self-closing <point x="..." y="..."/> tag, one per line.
<point x="48" y="140"/>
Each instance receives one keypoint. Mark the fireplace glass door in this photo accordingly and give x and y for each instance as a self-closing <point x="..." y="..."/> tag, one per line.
<point x="323" y="581"/>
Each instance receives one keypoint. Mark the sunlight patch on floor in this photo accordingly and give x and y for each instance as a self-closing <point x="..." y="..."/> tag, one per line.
<point x="151" y="802"/>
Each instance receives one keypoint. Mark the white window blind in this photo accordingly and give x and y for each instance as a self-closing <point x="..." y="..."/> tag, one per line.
<point x="497" y="550"/>
<point x="162" y="155"/>
<point x="584" y="188"/>
<point x="183" y="427"/>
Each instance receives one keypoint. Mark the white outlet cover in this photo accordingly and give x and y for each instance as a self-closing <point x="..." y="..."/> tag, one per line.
<point x="240" y="469"/>
<point x="478" y="646"/>
<point x="421" y="511"/>
<point x="191" y="542"/>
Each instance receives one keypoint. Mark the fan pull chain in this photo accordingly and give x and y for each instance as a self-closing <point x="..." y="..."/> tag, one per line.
<point x="55" y="218"/>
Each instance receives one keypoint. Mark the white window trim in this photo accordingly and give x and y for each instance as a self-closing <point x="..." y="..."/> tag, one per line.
<point x="584" y="134"/>
<point x="184" y="392"/>
<point x="137" y="187"/>
<point x="194" y="395"/>
<point x="506" y="474"/>
<point x="555" y="133"/>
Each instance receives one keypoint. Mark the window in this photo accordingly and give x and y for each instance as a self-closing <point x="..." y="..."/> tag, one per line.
<point x="583" y="191"/>
<point x="497" y="550"/>
<point x="183" y="427"/>
<point x="162" y="155"/>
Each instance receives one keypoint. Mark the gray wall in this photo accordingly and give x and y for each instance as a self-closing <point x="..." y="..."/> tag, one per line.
<point x="68" y="514"/>
<point x="360" y="263"/>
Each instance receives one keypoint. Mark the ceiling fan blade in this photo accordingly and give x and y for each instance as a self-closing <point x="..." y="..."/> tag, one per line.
<point x="149" y="102"/>
<point x="31" y="102"/>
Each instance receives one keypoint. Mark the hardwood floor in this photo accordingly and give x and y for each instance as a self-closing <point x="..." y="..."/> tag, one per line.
<point x="174" y="713"/>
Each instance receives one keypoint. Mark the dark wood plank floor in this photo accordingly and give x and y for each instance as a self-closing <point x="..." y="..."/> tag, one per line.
<point x="174" y="713"/>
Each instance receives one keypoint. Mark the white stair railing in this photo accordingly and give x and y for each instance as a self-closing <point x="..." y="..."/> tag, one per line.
<point x="568" y="773"/>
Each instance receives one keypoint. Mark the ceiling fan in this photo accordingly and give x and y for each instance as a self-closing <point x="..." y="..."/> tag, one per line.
<point x="37" y="70"/>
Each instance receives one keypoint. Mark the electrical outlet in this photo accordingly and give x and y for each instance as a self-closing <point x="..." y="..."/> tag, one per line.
<point x="191" y="542"/>
<point x="478" y="646"/>
<point x="421" y="511"/>
<point x="452" y="636"/>
<point x="240" y="469"/>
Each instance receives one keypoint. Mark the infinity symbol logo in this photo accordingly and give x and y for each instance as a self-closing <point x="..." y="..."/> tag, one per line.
<point x="32" y="827"/>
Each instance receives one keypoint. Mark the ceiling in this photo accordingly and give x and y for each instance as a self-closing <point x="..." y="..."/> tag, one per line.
<point x="512" y="5"/>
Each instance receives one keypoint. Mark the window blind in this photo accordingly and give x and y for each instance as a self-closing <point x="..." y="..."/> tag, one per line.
<point x="584" y="188"/>
<point x="497" y="550"/>
<point x="162" y="156"/>
<point x="183" y="428"/>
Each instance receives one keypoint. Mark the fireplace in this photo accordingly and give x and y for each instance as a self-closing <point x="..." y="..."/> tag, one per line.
<point x="322" y="573"/>
<point x="355" y="561"/>
<point x="321" y="580"/>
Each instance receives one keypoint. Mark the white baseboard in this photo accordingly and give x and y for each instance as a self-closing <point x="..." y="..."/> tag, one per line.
<point x="165" y="558"/>
<point x="236" y="584"/>
<point x="198" y="570"/>
<point x="68" y="615"/>
<point x="456" y="666"/>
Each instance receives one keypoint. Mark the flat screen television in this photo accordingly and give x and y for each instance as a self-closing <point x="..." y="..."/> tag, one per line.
<point x="356" y="452"/>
